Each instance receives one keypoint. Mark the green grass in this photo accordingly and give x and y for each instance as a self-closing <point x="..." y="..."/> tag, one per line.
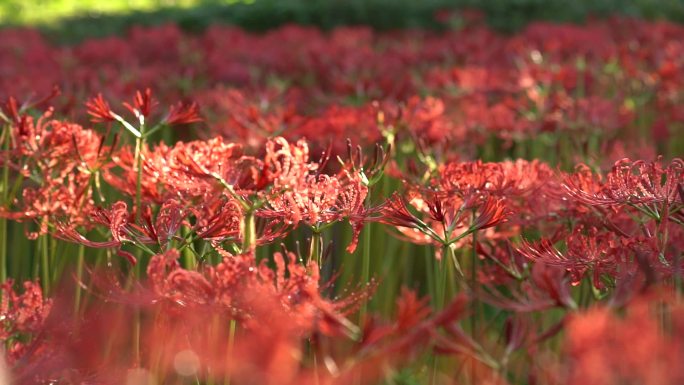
<point x="52" y="11"/>
<point x="74" y="20"/>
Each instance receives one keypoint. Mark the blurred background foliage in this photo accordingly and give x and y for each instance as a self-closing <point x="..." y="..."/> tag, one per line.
<point x="73" y="20"/>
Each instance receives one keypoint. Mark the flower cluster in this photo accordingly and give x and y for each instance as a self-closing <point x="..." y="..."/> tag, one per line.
<point x="344" y="207"/>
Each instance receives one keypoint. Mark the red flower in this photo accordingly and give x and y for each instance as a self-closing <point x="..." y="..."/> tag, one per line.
<point x="99" y="109"/>
<point x="587" y="251"/>
<point x="23" y="315"/>
<point x="491" y="213"/>
<point x="142" y="103"/>
<point x="632" y="183"/>
<point x="183" y="114"/>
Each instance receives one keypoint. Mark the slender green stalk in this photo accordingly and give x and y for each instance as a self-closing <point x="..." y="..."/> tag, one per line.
<point x="678" y="277"/>
<point x="139" y="146"/>
<point x="475" y="303"/>
<point x="365" y="262"/>
<point x="35" y="259"/>
<point x="45" y="264"/>
<point x="80" y="260"/>
<point x="4" y="186"/>
<point x="248" y="231"/>
<point x="316" y="248"/>
<point x="474" y="284"/>
<point x="3" y="250"/>
<point x="446" y="264"/>
<point x="136" y="338"/>
<point x="314" y="354"/>
<point x="187" y="258"/>
<point x="430" y="271"/>
<point x="446" y="267"/>
<point x="231" y="349"/>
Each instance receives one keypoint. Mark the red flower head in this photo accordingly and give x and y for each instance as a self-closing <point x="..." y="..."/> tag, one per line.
<point x="99" y="109"/>
<point x="142" y="103"/>
<point x="183" y="114"/>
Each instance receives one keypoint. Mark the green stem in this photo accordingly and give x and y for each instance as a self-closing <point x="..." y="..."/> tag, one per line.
<point x="45" y="264"/>
<point x="473" y="280"/>
<point x="4" y="186"/>
<point x="188" y="259"/>
<point x="475" y="303"/>
<point x="79" y="277"/>
<point x="444" y="273"/>
<point x="430" y="271"/>
<point x="248" y="232"/>
<point x="136" y="338"/>
<point x="3" y="250"/>
<point x="139" y="145"/>
<point x="446" y="270"/>
<point x="316" y="248"/>
<point x="231" y="348"/>
<point x="365" y="262"/>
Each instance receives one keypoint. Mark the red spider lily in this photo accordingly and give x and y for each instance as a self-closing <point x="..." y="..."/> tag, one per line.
<point x="99" y="109"/>
<point x="177" y="172"/>
<point x="312" y="202"/>
<point x="214" y="220"/>
<point x="141" y="108"/>
<point x="115" y="219"/>
<point x="330" y="127"/>
<point x="596" y="252"/>
<point x="199" y="168"/>
<point x="180" y="341"/>
<point x="506" y="264"/>
<point x="242" y="116"/>
<point x="606" y="348"/>
<point x="321" y="201"/>
<point x="298" y="292"/>
<point x="142" y="104"/>
<point x="395" y="211"/>
<point x="179" y="285"/>
<point x="448" y="216"/>
<point x="462" y="188"/>
<point x="12" y="112"/>
<point x="491" y="213"/>
<point x="544" y="92"/>
<point x="369" y="172"/>
<point x="351" y="205"/>
<point x="176" y="343"/>
<point x="634" y="183"/>
<point x="502" y="179"/>
<point x="183" y="114"/>
<point x="22" y="315"/>
<point x="547" y="288"/>
<point x="203" y="171"/>
<point x="59" y="162"/>
<point x="427" y="120"/>
<point x="219" y="219"/>
<point x="582" y="181"/>
<point x="94" y="154"/>
<point x="526" y="188"/>
<point x="286" y="165"/>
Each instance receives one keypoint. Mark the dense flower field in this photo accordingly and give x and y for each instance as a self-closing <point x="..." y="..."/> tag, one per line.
<point x="344" y="207"/>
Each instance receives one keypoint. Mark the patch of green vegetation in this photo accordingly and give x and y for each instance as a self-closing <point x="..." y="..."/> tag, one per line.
<point x="73" y="20"/>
